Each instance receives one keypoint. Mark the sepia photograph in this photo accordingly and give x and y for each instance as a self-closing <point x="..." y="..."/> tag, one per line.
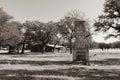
<point x="59" y="39"/>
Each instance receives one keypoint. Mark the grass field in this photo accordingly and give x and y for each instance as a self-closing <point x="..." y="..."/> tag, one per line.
<point x="105" y="65"/>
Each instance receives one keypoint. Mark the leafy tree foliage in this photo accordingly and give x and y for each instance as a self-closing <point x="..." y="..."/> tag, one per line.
<point x="4" y="17"/>
<point x="67" y="26"/>
<point x="110" y="20"/>
<point x="40" y="33"/>
<point x="11" y="34"/>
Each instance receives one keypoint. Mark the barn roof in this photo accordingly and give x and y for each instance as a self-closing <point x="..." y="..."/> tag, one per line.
<point x="57" y="46"/>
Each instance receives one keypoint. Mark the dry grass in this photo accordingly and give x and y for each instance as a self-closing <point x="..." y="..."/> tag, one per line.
<point x="105" y="65"/>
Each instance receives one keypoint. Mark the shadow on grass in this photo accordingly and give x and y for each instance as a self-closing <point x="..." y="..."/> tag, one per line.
<point x="110" y="61"/>
<point x="96" y="62"/>
<point x="37" y="62"/>
<point x="6" y="53"/>
<point x="82" y="73"/>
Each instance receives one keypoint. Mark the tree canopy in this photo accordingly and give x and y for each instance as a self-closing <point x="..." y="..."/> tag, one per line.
<point x="4" y="17"/>
<point x="110" y="19"/>
<point x="67" y="26"/>
<point x="39" y="32"/>
<point x="11" y="34"/>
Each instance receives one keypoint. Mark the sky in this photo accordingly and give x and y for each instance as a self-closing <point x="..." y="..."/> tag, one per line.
<point x="47" y="10"/>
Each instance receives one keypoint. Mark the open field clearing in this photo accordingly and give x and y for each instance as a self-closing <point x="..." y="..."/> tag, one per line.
<point x="105" y="65"/>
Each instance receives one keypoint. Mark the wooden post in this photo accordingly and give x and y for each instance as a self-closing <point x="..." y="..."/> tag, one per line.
<point x="81" y="52"/>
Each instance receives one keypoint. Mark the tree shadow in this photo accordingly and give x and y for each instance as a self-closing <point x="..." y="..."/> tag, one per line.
<point x="82" y="73"/>
<point x="37" y="62"/>
<point x="6" y="53"/>
<point x="110" y="61"/>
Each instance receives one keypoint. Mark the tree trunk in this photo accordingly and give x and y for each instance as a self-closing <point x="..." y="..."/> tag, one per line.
<point x="70" y="45"/>
<point x="87" y="57"/>
<point x="43" y="48"/>
<point x="18" y="49"/>
<point x="54" y="48"/>
<point x="0" y="46"/>
<point x="23" y="47"/>
<point x="10" y="49"/>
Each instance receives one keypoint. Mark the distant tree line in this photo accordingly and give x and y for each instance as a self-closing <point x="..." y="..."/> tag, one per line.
<point x="103" y="46"/>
